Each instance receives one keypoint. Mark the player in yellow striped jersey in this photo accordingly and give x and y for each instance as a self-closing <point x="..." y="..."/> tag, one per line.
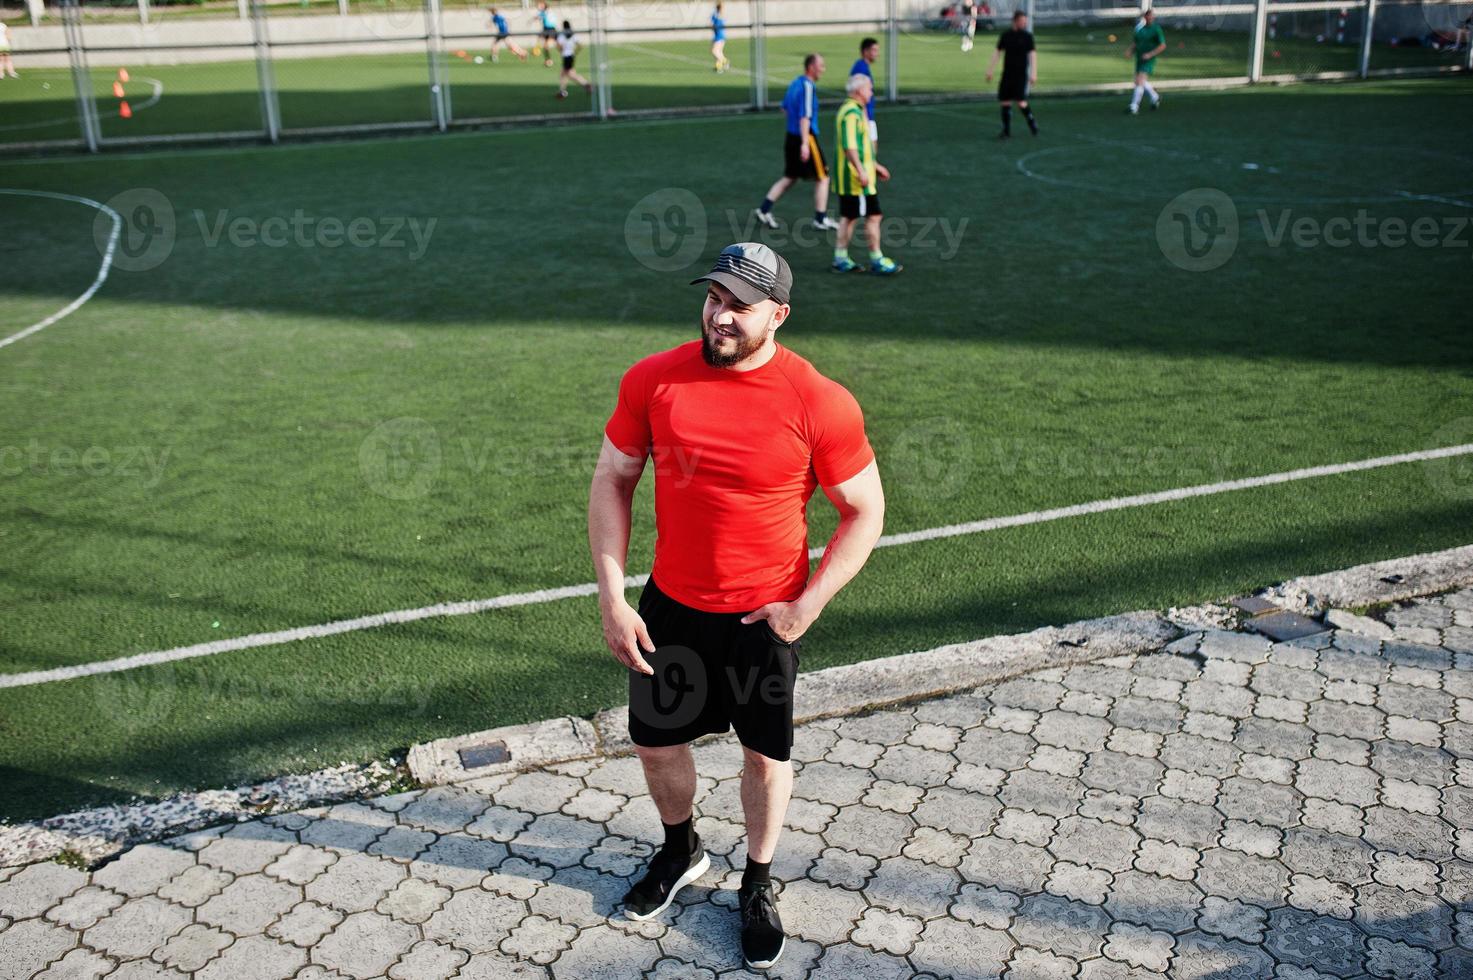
<point x="856" y="172"/>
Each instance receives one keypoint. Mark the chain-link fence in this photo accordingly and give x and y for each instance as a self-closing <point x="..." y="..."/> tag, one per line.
<point x="145" y="71"/>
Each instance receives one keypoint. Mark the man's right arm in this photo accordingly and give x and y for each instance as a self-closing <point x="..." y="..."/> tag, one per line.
<point x="609" y="517"/>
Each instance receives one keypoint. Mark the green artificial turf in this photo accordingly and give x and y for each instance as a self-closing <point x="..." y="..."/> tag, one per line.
<point x="645" y="73"/>
<point x="201" y="451"/>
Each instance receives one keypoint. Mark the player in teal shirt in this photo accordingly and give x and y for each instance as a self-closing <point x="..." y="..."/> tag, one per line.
<point x="1147" y="44"/>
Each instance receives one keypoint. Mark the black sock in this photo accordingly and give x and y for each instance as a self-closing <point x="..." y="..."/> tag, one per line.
<point x="680" y="838"/>
<point x="819" y="216"/>
<point x="1007" y="119"/>
<point x="766" y="205"/>
<point x="756" y="873"/>
<point x="1028" y="115"/>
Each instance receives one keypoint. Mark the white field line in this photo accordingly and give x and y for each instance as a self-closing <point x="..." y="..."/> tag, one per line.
<point x="686" y="59"/>
<point x="102" y="270"/>
<point x="634" y="581"/>
<point x="158" y="93"/>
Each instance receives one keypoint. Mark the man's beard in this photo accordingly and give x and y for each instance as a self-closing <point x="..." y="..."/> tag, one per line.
<point x="745" y="347"/>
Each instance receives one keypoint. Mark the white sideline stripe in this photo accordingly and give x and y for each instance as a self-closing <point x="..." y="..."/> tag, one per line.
<point x="102" y="270"/>
<point x="158" y="93"/>
<point x="635" y="581"/>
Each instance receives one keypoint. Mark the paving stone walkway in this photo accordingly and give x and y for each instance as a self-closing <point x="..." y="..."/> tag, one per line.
<point x="1226" y="807"/>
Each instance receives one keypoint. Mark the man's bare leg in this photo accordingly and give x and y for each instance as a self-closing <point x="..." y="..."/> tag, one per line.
<point x="670" y="772"/>
<point x="767" y="785"/>
<point x="778" y="189"/>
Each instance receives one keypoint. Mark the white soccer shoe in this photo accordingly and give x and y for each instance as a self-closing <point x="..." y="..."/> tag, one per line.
<point x="765" y="217"/>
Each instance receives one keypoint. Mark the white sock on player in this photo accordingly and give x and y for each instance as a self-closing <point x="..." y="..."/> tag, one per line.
<point x="1151" y="92"/>
<point x="1135" y="97"/>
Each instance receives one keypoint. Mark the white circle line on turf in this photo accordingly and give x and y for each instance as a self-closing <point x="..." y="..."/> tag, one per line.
<point x="102" y="270"/>
<point x="158" y="93"/>
<point x="540" y="596"/>
<point x="1382" y="196"/>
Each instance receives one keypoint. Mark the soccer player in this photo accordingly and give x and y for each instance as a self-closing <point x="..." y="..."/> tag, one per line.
<point x="802" y="159"/>
<point x="1019" y="70"/>
<point x="1148" y="42"/>
<point x="869" y="53"/>
<point x="969" y="24"/>
<point x="548" y="36"/>
<point x="7" y="67"/>
<point x="503" y="36"/>
<point x="718" y="41"/>
<point x="858" y="168"/>
<point x="567" y="42"/>
<point x="741" y="431"/>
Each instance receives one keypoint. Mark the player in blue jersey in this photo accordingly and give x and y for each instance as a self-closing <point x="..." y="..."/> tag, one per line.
<point x="718" y="41"/>
<point x="869" y="53"/>
<point x="503" y="36"/>
<point x="802" y="158"/>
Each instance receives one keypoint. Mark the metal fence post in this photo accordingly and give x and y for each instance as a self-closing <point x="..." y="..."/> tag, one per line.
<point x="243" y="8"/>
<point x="143" y="11"/>
<point x="265" y="75"/>
<point x="1255" y="49"/>
<point x="892" y="52"/>
<point x="1365" y="40"/>
<point x="758" y="9"/>
<point x="439" y="77"/>
<point x="603" y="101"/>
<point x="71" y="20"/>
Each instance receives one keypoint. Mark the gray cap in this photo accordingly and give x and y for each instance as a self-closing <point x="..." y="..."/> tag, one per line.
<point x="752" y="271"/>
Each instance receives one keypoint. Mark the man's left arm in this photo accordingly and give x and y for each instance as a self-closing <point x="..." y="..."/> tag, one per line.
<point x="860" y="501"/>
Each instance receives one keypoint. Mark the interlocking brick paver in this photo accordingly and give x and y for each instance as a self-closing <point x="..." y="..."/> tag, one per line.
<point x="248" y="905"/>
<point x="193" y="947"/>
<point x="30" y="945"/>
<point x="364" y="945"/>
<point x="255" y="958"/>
<point x="1229" y="808"/>
<point x="37" y="888"/>
<point x="135" y="929"/>
<point x="78" y="964"/>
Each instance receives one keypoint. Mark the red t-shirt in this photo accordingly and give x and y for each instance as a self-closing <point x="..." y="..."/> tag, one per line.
<point x="737" y="454"/>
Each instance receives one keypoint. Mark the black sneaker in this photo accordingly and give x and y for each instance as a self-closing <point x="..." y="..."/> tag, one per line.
<point x="668" y="874"/>
<point x="762" y="930"/>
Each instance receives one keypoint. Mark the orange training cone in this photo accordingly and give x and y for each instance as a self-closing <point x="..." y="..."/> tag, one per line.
<point x="122" y="74"/>
<point x="125" y="110"/>
<point x="117" y="90"/>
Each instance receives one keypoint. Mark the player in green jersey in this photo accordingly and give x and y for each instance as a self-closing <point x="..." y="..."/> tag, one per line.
<point x="1146" y="46"/>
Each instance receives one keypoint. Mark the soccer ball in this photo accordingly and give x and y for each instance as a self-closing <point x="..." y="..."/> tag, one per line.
<point x="480" y="60"/>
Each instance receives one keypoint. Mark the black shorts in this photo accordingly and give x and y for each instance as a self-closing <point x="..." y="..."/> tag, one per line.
<point x="1013" y="88"/>
<point x="502" y="37"/>
<point x="854" y="206"/>
<point x="549" y="36"/>
<point x="794" y="166"/>
<point x="712" y="673"/>
<point x="567" y="62"/>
